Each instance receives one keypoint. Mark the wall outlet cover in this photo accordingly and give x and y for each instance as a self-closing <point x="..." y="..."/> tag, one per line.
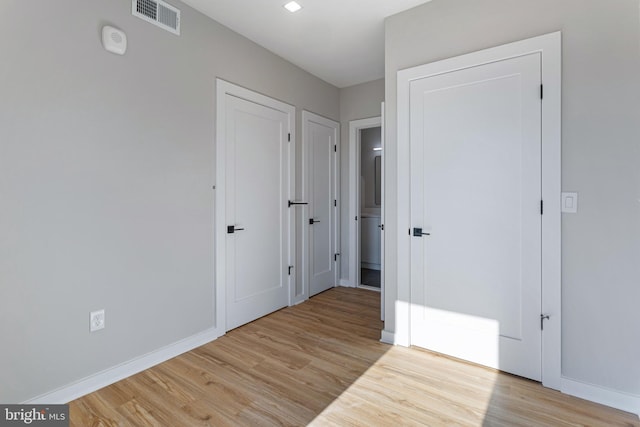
<point x="96" y="320"/>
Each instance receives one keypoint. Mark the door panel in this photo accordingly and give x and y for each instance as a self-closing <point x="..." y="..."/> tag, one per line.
<point x="321" y="202"/>
<point x="257" y="192"/>
<point x="320" y="139"/>
<point x="476" y="188"/>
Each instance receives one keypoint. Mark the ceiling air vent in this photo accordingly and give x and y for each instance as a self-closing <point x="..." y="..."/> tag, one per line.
<point x="158" y="13"/>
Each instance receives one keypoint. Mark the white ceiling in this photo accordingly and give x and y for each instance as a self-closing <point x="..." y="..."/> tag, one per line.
<point x="340" y="41"/>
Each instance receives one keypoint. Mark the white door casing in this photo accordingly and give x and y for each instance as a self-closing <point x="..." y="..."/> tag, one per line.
<point x="320" y="146"/>
<point x="475" y="189"/>
<point x="254" y="171"/>
<point x="549" y="50"/>
<point x="382" y="211"/>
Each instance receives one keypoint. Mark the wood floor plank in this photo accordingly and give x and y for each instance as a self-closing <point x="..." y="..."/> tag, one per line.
<point x="321" y="363"/>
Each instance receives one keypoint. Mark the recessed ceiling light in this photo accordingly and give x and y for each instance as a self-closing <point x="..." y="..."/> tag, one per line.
<point x="292" y="6"/>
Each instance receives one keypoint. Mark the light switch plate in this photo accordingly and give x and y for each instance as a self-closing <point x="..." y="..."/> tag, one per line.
<point x="569" y="203"/>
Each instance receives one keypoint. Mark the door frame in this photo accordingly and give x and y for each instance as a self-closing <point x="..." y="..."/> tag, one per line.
<point x="382" y="208"/>
<point x="355" y="126"/>
<point x="308" y="117"/>
<point x="224" y="88"/>
<point x="549" y="46"/>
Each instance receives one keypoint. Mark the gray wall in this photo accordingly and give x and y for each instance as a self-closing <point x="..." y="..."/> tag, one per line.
<point x="356" y="102"/>
<point x="106" y="168"/>
<point x="600" y="149"/>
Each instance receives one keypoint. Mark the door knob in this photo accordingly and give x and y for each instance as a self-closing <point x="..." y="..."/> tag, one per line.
<point x="417" y="232"/>
<point x="232" y="229"/>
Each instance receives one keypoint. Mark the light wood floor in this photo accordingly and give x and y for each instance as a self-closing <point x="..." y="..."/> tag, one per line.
<point x="320" y="363"/>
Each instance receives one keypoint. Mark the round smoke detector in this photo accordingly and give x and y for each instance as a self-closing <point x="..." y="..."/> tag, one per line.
<point x="114" y="40"/>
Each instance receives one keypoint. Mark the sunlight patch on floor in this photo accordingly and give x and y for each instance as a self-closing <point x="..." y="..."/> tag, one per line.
<point x="411" y="387"/>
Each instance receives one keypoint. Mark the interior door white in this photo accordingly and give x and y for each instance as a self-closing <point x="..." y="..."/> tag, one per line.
<point x="258" y="173"/>
<point x="321" y="145"/>
<point x="475" y="140"/>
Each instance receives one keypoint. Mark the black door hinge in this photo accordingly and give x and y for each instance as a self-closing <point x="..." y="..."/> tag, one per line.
<point x="289" y="269"/>
<point x="289" y="137"/>
<point x="541" y="207"/>
<point x="541" y="92"/>
<point x="335" y="202"/>
<point x="335" y="148"/>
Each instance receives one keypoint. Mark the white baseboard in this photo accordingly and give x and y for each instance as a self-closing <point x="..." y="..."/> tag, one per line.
<point x="109" y="376"/>
<point x="345" y="283"/>
<point x="388" y="337"/>
<point x="613" y="398"/>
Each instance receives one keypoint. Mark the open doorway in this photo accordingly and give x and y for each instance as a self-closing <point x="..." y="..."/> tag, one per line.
<point x="370" y="207"/>
<point x="366" y="204"/>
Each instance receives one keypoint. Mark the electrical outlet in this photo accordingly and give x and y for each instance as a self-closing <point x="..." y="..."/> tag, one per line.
<point x="96" y="320"/>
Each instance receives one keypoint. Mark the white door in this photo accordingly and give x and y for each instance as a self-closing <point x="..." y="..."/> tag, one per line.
<point x="475" y="140"/>
<point x="321" y="146"/>
<point x="258" y="224"/>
